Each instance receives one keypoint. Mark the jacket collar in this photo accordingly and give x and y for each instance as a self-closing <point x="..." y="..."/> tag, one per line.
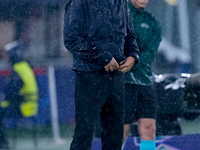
<point x="134" y="11"/>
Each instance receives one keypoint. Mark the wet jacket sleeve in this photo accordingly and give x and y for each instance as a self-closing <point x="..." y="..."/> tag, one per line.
<point x="12" y="89"/>
<point x="148" y="55"/>
<point x="75" y="39"/>
<point x="131" y="47"/>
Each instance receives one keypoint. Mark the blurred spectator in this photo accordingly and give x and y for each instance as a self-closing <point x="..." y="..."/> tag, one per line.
<point x="21" y="92"/>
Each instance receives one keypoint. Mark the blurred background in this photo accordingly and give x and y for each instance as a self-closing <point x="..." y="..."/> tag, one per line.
<point x="42" y="22"/>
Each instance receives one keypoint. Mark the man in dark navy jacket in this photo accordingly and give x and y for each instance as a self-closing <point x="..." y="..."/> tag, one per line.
<point x="103" y="44"/>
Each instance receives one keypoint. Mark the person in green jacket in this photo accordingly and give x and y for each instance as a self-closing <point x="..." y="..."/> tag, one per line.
<point x="140" y="104"/>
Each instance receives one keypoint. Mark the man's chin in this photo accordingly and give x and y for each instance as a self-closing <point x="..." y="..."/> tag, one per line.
<point x="143" y="6"/>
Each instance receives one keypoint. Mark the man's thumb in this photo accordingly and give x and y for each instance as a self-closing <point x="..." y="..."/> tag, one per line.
<point x="122" y="62"/>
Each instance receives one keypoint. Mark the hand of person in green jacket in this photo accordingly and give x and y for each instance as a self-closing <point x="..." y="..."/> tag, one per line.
<point x="126" y="64"/>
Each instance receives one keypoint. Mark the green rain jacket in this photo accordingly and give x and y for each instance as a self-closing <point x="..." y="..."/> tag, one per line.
<point x="148" y="32"/>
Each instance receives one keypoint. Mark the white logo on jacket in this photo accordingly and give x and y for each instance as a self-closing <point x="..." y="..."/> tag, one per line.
<point x="144" y="25"/>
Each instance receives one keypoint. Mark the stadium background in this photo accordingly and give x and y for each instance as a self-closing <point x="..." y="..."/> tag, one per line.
<point x="179" y="52"/>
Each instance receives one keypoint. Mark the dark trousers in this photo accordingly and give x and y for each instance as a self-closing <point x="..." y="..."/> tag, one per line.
<point x="99" y="93"/>
<point x="13" y="111"/>
<point x="3" y="137"/>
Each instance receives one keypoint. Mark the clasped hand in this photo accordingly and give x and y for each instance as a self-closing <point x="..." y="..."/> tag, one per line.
<point x="123" y="67"/>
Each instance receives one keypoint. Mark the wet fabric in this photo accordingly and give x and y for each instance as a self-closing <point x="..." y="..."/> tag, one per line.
<point x="22" y="89"/>
<point x="99" y="93"/>
<point x="139" y="103"/>
<point x="148" y="33"/>
<point x="3" y="140"/>
<point x="95" y="31"/>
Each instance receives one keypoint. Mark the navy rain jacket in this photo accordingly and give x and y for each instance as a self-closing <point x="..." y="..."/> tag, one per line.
<point x="95" y="31"/>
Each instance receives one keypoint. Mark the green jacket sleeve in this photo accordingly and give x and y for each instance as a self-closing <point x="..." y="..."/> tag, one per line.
<point x="148" y="55"/>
